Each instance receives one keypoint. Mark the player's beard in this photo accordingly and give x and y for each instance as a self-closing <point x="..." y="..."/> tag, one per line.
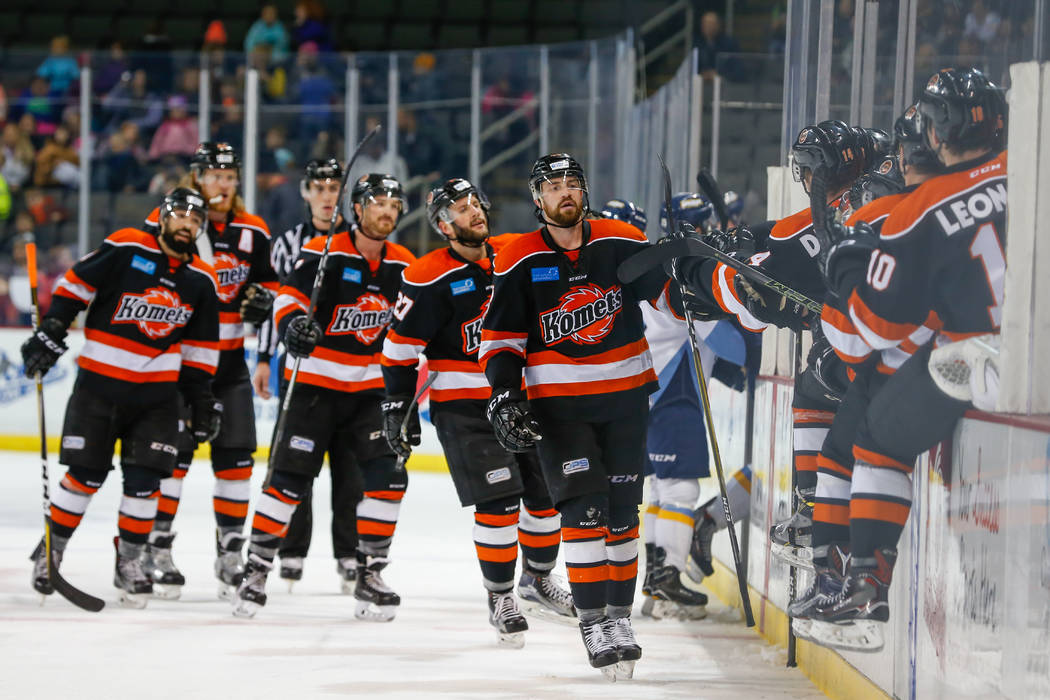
<point x="181" y="246"/>
<point x="564" y="217"/>
<point x="379" y="229"/>
<point x="468" y="236"/>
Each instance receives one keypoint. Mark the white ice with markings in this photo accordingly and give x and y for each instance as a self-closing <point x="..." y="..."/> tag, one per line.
<point x="307" y="643"/>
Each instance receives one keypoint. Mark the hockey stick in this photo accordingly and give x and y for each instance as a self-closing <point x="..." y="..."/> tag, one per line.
<point x="710" y="188"/>
<point x="74" y="595"/>
<point x="701" y="382"/>
<point x="793" y="571"/>
<point x="282" y="417"/>
<point x="431" y="376"/>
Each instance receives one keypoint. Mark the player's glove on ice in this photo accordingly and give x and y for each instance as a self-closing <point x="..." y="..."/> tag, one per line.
<point x="302" y="337"/>
<point x="516" y="428"/>
<point x="395" y="410"/>
<point x="44" y="347"/>
<point x="257" y="304"/>
<point x="848" y="258"/>
<point x="205" y="418"/>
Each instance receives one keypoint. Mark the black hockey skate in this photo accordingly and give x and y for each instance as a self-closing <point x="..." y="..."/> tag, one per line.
<point x="791" y="540"/>
<point x="854" y="619"/>
<point x="504" y="615"/>
<point x="160" y="568"/>
<point x="699" y="564"/>
<point x="291" y="570"/>
<point x="673" y="598"/>
<point x="654" y="559"/>
<point x="229" y="565"/>
<point x="128" y="576"/>
<point x="827" y="584"/>
<point x="41" y="580"/>
<point x="376" y="601"/>
<point x="346" y="567"/>
<point x="544" y="597"/>
<point x="601" y="653"/>
<point x="251" y="592"/>
<point x="621" y="635"/>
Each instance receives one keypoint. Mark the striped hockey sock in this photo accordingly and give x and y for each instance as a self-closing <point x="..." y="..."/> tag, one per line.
<point x="621" y="550"/>
<point x="68" y="503"/>
<point x="539" y="534"/>
<point x="496" y="542"/>
<point x="587" y="566"/>
<point x="273" y="511"/>
<point x="170" y="495"/>
<point x="810" y="428"/>
<point x="230" y="499"/>
<point x="377" y="519"/>
<point x="137" y="511"/>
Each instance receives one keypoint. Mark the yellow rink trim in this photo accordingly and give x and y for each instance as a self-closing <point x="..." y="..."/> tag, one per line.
<point x="832" y="674"/>
<point x="22" y="443"/>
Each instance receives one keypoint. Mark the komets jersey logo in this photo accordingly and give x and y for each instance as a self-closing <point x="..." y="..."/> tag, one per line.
<point x="366" y="319"/>
<point x="232" y="273"/>
<point x="584" y="315"/>
<point x="157" y="311"/>
<point x="471" y="331"/>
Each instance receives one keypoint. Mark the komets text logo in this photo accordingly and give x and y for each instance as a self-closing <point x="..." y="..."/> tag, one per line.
<point x="232" y="272"/>
<point x="471" y="331"/>
<point x="367" y="318"/>
<point x="157" y="311"/>
<point x="584" y="315"/>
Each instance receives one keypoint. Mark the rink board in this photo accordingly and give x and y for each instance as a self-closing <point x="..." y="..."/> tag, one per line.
<point x="970" y="601"/>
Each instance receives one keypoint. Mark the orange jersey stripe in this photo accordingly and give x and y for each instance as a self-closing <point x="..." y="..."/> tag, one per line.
<point x="231" y="508"/>
<point x="830" y="465"/>
<point x="495" y="520"/>
<point x="546" y="513"/>
<point x="234" y="474"/>
<point x="123" y="375"/>
<point x="806" y="462"/>
<point x="588" y="574"/>
<point x="870" y="509"/>
<point x="139" y="527"/>
<point x="269" y="525"/>
<point x="373" y="527"/>
<point x="828" y="513"/>
<point x="578" y="534"/>
<point x="63" y="518"/>
<point x="623" y="572"/>
<point x="499" y="555"/>
<point x="385" y="495"/>
<point x="878" y="460"/>
<point x="582" y="388"/>
<point x="807" y="415"/>
<point x="529" y="540"/>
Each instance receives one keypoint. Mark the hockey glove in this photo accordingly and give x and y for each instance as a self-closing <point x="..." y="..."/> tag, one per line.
<point x="848" y="258"/>
<point x="44" y="347"/>
<point x="302" y="337"/>
<point x="738" y="242"/>
<point x="770" y="307"/>
<point x="516" y="428"/>
<point x="827" y="368"/>
<point x="395" y="410"/>
<point x="257" y="304"/>
<point x="205" y="418"/>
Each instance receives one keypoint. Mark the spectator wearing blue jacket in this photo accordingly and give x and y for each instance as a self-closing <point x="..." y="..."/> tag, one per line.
<point x="59" y="69"/>
<point x="268" y="30"/>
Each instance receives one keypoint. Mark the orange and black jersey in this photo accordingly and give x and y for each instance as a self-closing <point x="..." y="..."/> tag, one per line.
<point x="565" y="318"/>
<point x="241" y="252"/>
<point x="940" y="264"/>
<point x="354" y="307"/>
<point x="439" y="312"/>
<point x="149" y="318"/>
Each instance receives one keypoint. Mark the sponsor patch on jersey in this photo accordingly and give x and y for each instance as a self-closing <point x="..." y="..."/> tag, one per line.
<point x="142" y="265"/>
<point x="583" y="315"/>
<point x="157" y="311"/>
<point x="73" y="442"/>
<point x="462" y="287"/>
<point x="302" y="444"/>
<point x="544" y="274"/>
<point x="163" y="447"/>
<point x="574" y="466"/>
<point x="232" y="273"/>
<point x="351" y="275"/>
<point x="366" y="319"/>
<point x="497" y="475"/>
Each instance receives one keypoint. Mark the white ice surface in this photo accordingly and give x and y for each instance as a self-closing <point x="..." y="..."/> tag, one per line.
<point x="307" y="644"/>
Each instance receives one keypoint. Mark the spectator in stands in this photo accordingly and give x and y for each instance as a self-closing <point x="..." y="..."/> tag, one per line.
<point x="272" y="77"/>
<point x="19" y="155"/>
<point x="275" y="151"/>
<point x="268" y="31"/>
<point x="176" y="135"/>
<point x="132" y="100"/>
<point x="981" y="23"/>
<point x="71" y="120"/>
<point x="424" y="83"/>
<point x="46" y="214"/>
<point x="231" y="128"/>
<point x="712" y="41"/>
<point x="3" y="105"/>
<point x="57" y="163"/>
<point x="314" y="92"/>
<point x="120" y="170"/>
<point x="310" y="26"/>
<point x="110" y="72"/>
<point x="189" y="86"/>
<point x="282" y="205"/>
<point x="424" y="148"/>
<point x="44" y="104"/>
<point x="27" y="125"/>
<point x="59" y="69"/>
<point x="5" y="193"/>
<point x="167" y="176"/>
<point x="213" y="52"/>
<point x="375" y="158"/>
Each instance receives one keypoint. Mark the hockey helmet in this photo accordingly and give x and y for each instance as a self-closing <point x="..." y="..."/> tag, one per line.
<point x="691" y="208"/>
<point x="373" y="185"/>
<point x="965" y="109"/>
<point x="441" y="198"/>
<point x="912" y="150"/>
<point x="628" y="212"/>
<point x="884" y="179"/>
<point x="556" y="166"/>
<point x="734" y="207"/>
<point x="215" y="155"/>
<point x="320" y="169"/>
<point x="184" y="199"/>
<point x="833" y="149"/>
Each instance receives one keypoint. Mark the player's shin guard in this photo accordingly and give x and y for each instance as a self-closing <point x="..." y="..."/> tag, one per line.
<point x="587" y="565"/>
<point x="170" y="495"/>
<point x="272" y="514"/>
<point x="230" y="499"/>
<point x="496" y="542"/>
<point x="810" y="428"/>
<point x="69" y="502"/>
<point x="880" y="500"/>
<point x="539" y="534"/>
<point x="377" y="519"/>
<point x="830" y="507"/>
<point x="138" y="508"/>
<point x="621" y="551"/>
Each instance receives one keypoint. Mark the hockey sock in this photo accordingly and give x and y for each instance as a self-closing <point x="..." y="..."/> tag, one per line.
<point x="587" y="567"/>
<point x="230" y="499"/>
<point x="170" y="494"/>
<point x="830" y="506"/>
<point x="273" y="511"/>
<point x="880" y="499"/>
<point x="70" y="500"/>
<point x="539" y="534"/>
<point x="621" y="551"/>
<point x="652" y="510"/>
<point x="138" y="505"/>
<point x="811" y="427"/>
<point x="496" y="541"/>
<point x="377" y="519"/>
<point x="675" y="520"/>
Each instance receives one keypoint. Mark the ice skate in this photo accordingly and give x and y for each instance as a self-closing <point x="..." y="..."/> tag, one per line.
<point x="229" y="566"/>
<point x="376" y="601"/>
<point x="346" y="567"/>
<point x="542" y="596"/>
<point x="160" y="568"/>
<point x="510" y="624"/>
<point x="791" y="540"/>
<point x="251" y="592"/>
<point x="131" y="581"/>
<point x="827" y="584"/>
<point x="621" y="635"/>
<point x="292" y="571"/>
<point x="601" y="653"/>
<point x="854" y="619"/>
<point x="699" y="564"/>
<point x="41" y="580"/>
<point x="673" y="598"/>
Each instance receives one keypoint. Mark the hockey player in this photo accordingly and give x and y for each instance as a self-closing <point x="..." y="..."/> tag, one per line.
<point x="938" y="259"/>
<point x="335" y="407"/>
<point x="238" y="244"/>
<point x="320" y="191"/>
<point x="443" y="297"/>
<point x="559" y="312"/>
<point x="734" y="207"/>
<point x="628" y="212"/>
<point x="151" y="333"/>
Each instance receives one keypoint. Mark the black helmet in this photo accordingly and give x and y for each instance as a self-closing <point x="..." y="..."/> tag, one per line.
<point x="215" y="155"/>
<point x="441" y="198"/>
<point x="965" y="109"/>
<point x="376" y="185"/>
<point x="320" y="169"/>
<point x="833" y="148"/>
<point x="556" y="165"/>
<point x="184" y="199"/>
<point x="912" y="150"/>
<point x="879" y="145"/>
<point x="882" y="180"/>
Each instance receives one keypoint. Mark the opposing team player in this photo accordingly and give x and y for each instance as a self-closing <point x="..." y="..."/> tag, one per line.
<point x="439" y="311"/>
<point x="151" y="333"/>
<point x="238" y="245"/>
<point x="320" y="191"/>
<point x="335" y="407"/>
<point x="937" y="259"/>
<point x="559" y="313"/>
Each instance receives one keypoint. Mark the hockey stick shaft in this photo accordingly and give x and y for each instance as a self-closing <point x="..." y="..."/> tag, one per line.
<point x="73" y="595"/>
<point x="709" y="186"/>
<point x="414" y="406"/>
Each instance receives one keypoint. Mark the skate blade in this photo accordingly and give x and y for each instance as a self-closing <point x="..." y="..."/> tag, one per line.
<point x="791" y="555"/>
<point x="166" y="591"/>
<point x="245" y="609"/>
<point x="647" y="606"/>
<point x="510" y="640"/>
<point x="542" y="612"/>
<point x="691" y="613"/>
<point x="135" y="601"/>
<point x="693" y="571"/>
<point x="802" y="628"/>
<point x="609" y="672"/>
<point x="374" y="613"/>
<point x="623" y="670"/>
<point x="226" y="591"/>
<point x="347" y="587"/>
<point x="860" y="635"/>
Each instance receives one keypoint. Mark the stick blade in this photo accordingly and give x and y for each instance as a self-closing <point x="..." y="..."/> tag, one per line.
<point x="77" y="597"/>
<point x="713" y="192"/>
